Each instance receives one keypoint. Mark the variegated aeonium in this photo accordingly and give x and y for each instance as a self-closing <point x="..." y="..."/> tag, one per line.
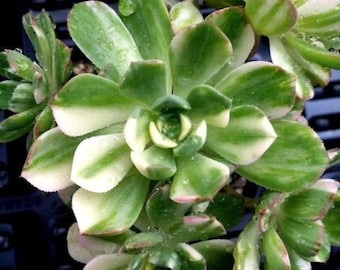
<point x="178" y="103"/>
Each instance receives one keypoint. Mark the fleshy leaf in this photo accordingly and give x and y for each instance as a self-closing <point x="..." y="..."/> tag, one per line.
<point x="22" y="98"/>
<point x="271" y="18"/>
<point x="142" y="240"/>
<point x="246" y="252"/>
<point x="184" y="14"/>
<point x="196" y="227"/>
<point x="247" y="136"/>
<point x="190" y="258"/>
<point x="108" y="213"/>
<point x="145" y="81"/>
<point x="117" y="261"/>
<point x="162" y="211"/>
<point x="51" y="148"/>
<point x="259" y="83"/>
<point x="83" y="248"/>
<point x="16" y="125"/>
<point x="151" y="16"/>
<point x="6" y="90"/>
<point x="202" y="46"/>
<point x="165" y="257"/>
<point x="44" y="122"/>
<point x="101" y="162"/>
<point x="114" y="43"/>
<point x="274" y="250"/>
<point x="193" y="142"/>
<point x="198" y="178"/>
<point x="295" y="160"/>
<point x="297" y="263"/>
<point x="89" y="102"/>
<point x="283" y="56"/>
<point x="155" y="163"/>
<point x="312" y="203"/>
<point x="136" y="129"/>
<point x="209" y="104"/>
<point x="228" y="209"/>
<point x="318" y="18"/>
<point x="20" y="64"/>
<point x="305" y="238"/>
<point x="242" y="37"/>
<point x="331" y="221"/>
<point x="327" y="57"/>
<point x="217" y="253"/>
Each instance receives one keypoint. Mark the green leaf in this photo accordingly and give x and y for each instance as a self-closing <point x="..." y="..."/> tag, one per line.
<point x="274" y="250"/>
<point x="297" y="263"/>
<point x="5" y="69"/>
<point x="43" y="122"/>
<point x="154" y="41"/>
<point x="6" y="91"/>
<point x="316" y="18"/>
<point x="320" y="54"/>
<point x="305" y="238"/>
<point x="62" y="64"/>
<point x="307" y="73"/>
<point x="169" y="102"/>
<point x="155" y="163"/>
<point x="22" y="98"/>
<point x="247" y="136"/>
<point x="209" y="104"/>
<point x="229" y="210"/>
<point x="145" y="81"/>
<point x="259" y="83"/>
<point x="142" y="240"/>
<point x="136" y="129"/>
<point x="198" y="178"/>
<point x="184" y="14"/>
<point x="51" y="148"/>
<point x="190" y="258"/>
<point x="246" y="252"/>
<point x="151" y="16"/>
<point x="117" y="261"/>
<point x="101" y="162"/>
<point x="217" y="253"/>
<point x="41" y="89"/>
<point x="331" y="221"/>
<point x="20" y="64"/>
<point x="83" y="248"/>
<point x="193" y="142"/>
<point x="271" y="18"/>
<point x="294" y="161"/>
<point x="89" y="102"/>
<point x="162" y="211"/>
<point x="196" y="227"/>
<point x="202" y="46"/>
<point x="165" y="257"/>
<point x="234" y="24"/>
<point x="312" y="203"/>
<point x="109" y="212"/>
<point x="114" y="43"/>
<point x="40" y="31"/>
<point x="17" y="125"/>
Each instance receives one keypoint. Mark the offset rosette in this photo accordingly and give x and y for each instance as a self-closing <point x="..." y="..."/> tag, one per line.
<point x="289" y="229"/>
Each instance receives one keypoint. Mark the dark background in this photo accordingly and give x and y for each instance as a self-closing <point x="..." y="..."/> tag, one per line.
<point x="33" y="224"/>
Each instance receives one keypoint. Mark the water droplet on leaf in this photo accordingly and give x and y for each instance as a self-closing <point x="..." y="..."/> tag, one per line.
<point x="127" y="7"/>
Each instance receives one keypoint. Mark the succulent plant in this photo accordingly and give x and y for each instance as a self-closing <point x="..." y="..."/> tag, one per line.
<point x="148" y="149"/>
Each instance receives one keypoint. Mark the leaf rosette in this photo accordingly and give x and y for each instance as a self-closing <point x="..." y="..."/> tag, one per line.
<point x="169" y="104"/>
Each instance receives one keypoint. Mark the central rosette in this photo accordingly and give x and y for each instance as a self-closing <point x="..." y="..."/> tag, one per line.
<point x="165" y="131"/>
<point x="173" y="127"/>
